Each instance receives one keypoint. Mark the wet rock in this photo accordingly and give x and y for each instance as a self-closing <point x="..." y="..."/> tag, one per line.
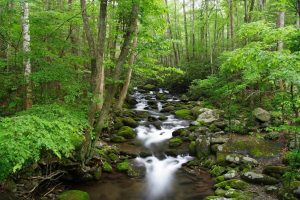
<point x="168" y="109"/>
<point x="74" y="195"/>
<point x="126" y="132"/>
<point x="253" y="177"/>
<point x="131" y="101"/>
<point x="175" y="142"/>
<point x="162" y="118"/>
<point x="128" y="121"/>
<point x="182" y="132"/>
<point x="261" y="115"/>
<point x="152" y="119"/>
<point x="157" y="124"/>
<point x="233" y="183"/>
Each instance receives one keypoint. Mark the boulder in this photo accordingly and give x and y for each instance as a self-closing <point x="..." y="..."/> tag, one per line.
<point x="131" y="101"/>
<point x="175" y="142"/>
<point x="208" y="115"/>
<point x="216" y="148"/>
<point x="123" y="166"/>
<point x="233" y="183"/>
<point x="240" y="159"/>
<point x="275" y="171"/>
<point x="126" y="132"/>
<point x="128" y="121"/>
<point x="230" y="175"/>
<point x="117" y="139"/>
<point x="217" y="170"/>
<point x="167" y="109"/>
<point x="184" y="114"/>
<point x="74" y="195"/>
<point x="253" y="177"/>
<point x="261" y="115"/>
<point x="219" y="140"/>
<point x="149" y="87"/>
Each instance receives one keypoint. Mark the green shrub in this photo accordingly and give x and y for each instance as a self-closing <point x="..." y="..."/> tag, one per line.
<point x="53" y="128"/>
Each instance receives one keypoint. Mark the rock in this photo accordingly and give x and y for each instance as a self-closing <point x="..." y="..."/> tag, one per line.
<point x="182" y="132"/>
<point x="123" y="166"/>
<point x="216" y="148"/>
<point x="202" y="147"/>
<point x="253" y="177"/>
<point x="74" y="195"/>
<point x="271" y="189"/>
<point x="107" y="167"/>
<point x="261" y="115"/>
<point x="196" y="111"/>
<point x="202" y="130"/>
<point x="126" y="132"/>
<point x="157" y="124"/>
<point x="148" y="87"/>
<point x="184" y="114"/>
<point x="175" y="142"/>
<point x="234" y="158"/>
<point x="152" y="119"/>
<point x="167" y="109"/>
<point x="217" y="170"/>
<point x="275" y="171"/>
<point x="208" y="115"/>
<point x="184" y="98"/>
<point x="118" y="123"/>
<point x="128" y="121"/>
<point x="230" y="175"/>
<point x="162" y="118"/>
<point x="118" y="139"/>
<point x="233" y="183"/>
<point x="192" y="148"/>
<point x="219" y="140"/>
<point x="237" y="194"/>
<point x="216" y="198"/>
<point x="131" y="101"/>
<point x="296" y="192"/>
<point x="249" y="161"/>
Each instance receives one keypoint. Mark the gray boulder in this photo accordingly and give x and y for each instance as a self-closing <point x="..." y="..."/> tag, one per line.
<point x="208" y="115"/>
<point x="261" y="115"/>
<point x="253" y="177"/>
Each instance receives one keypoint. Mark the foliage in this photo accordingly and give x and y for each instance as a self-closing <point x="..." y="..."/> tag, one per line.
<point x="54" y="128"/>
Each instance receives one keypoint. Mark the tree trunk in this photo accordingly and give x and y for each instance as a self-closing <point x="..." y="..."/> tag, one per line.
<point x="26" y="51"/>
<point x="280" y="24"/>
<point x="125" y="87"/>
<point x="251" y="11"/>
<point x="193" y="29"/>
<point x="298" y="14"/>
<point x="186" y="32"/>
<point x="231" y="16"/>
<point x="171" y="36"/>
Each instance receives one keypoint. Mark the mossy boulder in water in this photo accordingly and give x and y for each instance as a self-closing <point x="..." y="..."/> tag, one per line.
<point x="74" y="195"/>
<point x="175" y="142"/>
<point x="148" y="87"/>
<point x="168" y="109"/>
<point x="184" y="114"/>
<point x="126" y="132"/>
<point x="123" y="166"/>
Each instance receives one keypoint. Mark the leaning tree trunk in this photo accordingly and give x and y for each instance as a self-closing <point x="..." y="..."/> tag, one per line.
<point x="26" y="51"/>
<point x="125" y="87"/>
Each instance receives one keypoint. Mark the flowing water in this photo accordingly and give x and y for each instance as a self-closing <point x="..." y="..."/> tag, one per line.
<point x="164" y="179"/>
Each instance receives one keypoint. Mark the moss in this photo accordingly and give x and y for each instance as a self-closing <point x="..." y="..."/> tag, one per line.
<point x="97" y="173"/>
<point x="220" y="179"/>
<point x="192" y="148"/>
<point x="217" y="170"/>
<point x="128" y="121"/>
<point x="123" y="166"/>
<point x="212" y="198"/>
<point x="118" y="139"/>
<point x="113" y="157"/>
<point x="118" y="123"/>
<point x="148" y="87"/>
<point x="126" y="132"/>
<point x="184" y="114"/>
<point x="233" y="183"/>
<point x="107" y="167"/>
<point x="175" y="142"/>
<point x="74" y="195"/>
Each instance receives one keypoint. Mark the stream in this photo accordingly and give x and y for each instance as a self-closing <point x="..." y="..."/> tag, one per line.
<point x="164" y="177"/>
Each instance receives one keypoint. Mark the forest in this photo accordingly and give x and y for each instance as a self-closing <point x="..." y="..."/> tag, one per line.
<point x="149" y="99"/>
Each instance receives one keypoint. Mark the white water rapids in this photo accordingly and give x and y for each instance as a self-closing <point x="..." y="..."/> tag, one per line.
<point x="160" y="172"/>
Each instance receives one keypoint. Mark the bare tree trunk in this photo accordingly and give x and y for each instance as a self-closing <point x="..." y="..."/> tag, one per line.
<point x="251" y="11"/>
<point x="125" y="87"/>
<point x="186" y="32"/>
<point x="193" y="29"/>
<point x="26" y="51"/>
<point x="280" y="24"/>
<point x="231" y="16"/>
<point x="298" y="14"/>
<point x="171" y="35"/>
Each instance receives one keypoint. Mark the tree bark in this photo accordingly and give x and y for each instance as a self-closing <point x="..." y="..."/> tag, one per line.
<point x="280" y="24"/>
<point x="26" y="51"/>
<point x="193" y="29"/>
<point x="231" y="16"/>
<point x="298" y="14"/>
<point x="125" y="87"/>
<point x="186" y="32"/>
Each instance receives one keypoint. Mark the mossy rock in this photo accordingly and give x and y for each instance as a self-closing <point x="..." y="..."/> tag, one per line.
<point x="107" y="167"/>
<point x="126" y="132"/>
<point x="275" y="171"/>
<point x="192" y="148"/>
<point x="196" y="111"/>
<point x="149" y="87"/>
<point x="184" y="114"/>
<point x="175" y="142"/>
<point x="97" y="173"/>
<point x="128" y="121"/>
<point x="118" y="139"/>
<point x="217" y="170"/>
<point x="167" y="109"/>
<point x="162" y="118"/>
<point x="233" y="183"/>
<point x="123" y="166"/>
<point x="118" y="123"/>
<point x="213" y="198"/>
<point x="113" y="157"/>
<point x="182" y="132"/>
<point x="237" y="194"/>
<point x="74" y="195"/>
<point x="220" y="179"/>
